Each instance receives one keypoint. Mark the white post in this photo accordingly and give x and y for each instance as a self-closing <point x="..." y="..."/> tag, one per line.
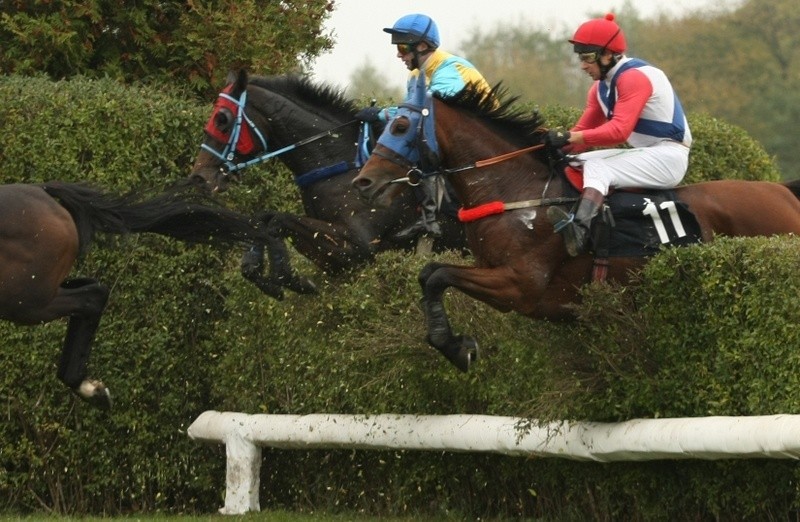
<point x="242" y="475"/>
<point x="243" y="457"/>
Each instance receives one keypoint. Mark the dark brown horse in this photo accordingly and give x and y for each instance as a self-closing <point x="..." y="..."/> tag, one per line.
<point x="45" y="228"/>
<point x="311" y="129"/>
<point x="521" y="265"/>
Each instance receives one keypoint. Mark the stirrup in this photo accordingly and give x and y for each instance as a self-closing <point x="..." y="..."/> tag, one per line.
<point x="564" y="223"/>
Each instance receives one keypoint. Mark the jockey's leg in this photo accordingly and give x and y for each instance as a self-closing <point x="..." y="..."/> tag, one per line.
<point x="576" y="227"/>
<point x="428" y="223"/>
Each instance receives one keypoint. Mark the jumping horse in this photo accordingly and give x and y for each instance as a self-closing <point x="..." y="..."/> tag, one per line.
<point x="45" y="228"/>
<point x="311" y="128"/>
<point x="503" y="175"/>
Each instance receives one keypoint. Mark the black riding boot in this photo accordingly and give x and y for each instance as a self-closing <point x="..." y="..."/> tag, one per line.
<point x="576" y="227"/>
<point x="427" y="223"/>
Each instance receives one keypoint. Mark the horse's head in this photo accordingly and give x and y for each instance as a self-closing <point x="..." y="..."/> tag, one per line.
<point x="406" y="150"/>
<point x="233" y="135"/>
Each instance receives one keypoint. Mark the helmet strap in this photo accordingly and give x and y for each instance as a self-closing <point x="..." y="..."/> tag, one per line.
<point x="416" y="62"/>
<point x="605" y="68"/>
<point x="614" y="57"/>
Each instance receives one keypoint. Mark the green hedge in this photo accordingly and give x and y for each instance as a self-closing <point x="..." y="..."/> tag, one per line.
<point x="185" y="333"/>
<point x="359" y="348"/>
<point x="158" y="340"/>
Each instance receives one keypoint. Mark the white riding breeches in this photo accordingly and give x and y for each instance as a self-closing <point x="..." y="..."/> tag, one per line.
<point x="659" y="166"/>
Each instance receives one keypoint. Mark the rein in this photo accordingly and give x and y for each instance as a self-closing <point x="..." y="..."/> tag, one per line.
<point x="415" y="176"/>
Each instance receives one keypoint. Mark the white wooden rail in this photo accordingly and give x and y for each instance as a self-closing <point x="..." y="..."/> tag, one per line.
<point x="773" y="436"/>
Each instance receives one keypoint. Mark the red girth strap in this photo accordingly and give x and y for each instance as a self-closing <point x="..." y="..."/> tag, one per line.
<point x="481" y="211"/>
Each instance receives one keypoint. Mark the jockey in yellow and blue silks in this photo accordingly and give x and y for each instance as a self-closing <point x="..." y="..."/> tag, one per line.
<point x="417" y="39"/>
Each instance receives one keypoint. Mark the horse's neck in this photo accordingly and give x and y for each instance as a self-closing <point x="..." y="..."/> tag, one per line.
<point x="507" y="180"/>
<point x="291" y="121"/>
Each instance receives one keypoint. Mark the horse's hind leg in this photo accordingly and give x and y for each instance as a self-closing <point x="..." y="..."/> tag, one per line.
<point x="87" y="300"/>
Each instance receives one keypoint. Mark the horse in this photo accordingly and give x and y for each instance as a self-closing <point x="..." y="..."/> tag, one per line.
<point x="258" y="118"/>
<point x="45" y="228"/>
<point x="493" y="154"/>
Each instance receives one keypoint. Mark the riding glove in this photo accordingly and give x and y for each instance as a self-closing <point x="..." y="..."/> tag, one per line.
<point x="369" y="114"/>
<point x="557" y="138"/>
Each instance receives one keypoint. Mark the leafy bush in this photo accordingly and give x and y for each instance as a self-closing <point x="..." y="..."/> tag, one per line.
<point x="174" y="42"/>
<point x="156" y="343"/>
<point x="184" y="333"/>
<point x="708" y="330"/>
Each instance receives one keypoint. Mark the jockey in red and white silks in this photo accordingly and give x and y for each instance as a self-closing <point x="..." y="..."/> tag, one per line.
<point x="629" y="102"/>
<point x="634" y="104"/>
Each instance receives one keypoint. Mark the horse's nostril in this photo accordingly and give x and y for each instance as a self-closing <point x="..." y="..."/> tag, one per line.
<point x="361" y="183"/>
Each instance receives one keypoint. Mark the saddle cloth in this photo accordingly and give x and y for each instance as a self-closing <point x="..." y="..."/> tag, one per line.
<point x="646" y="221"/>
<point x="642" y="221"/>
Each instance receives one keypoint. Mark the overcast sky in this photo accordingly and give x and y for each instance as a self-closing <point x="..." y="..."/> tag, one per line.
<point x="357" y="26"/>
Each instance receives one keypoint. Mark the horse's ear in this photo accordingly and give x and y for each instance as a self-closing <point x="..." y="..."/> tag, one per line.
<point x="241" y="79"/>
<point x="237" y="78"/>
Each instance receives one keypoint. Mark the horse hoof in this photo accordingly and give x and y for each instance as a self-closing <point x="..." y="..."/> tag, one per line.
<point x="250" y="267"/>
<point x="272" y="290"/>
<point x="302" y="286"/>
<point x="467" y="352"/>
<point x="470" y="347"/>
<point x="95" y="393"/>
<point x="462" y="351"/>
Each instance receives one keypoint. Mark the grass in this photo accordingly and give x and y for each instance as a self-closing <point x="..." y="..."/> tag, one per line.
<point x="264" y="516"/>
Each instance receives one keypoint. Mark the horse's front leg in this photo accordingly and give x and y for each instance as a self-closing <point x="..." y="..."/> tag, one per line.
<point x="500" y="288"/>
<point x="252" y="268"/>
<point x="281" y="274"/>
<point x="460" y="350"/>
<point x="332" y="247"/>
<point x="252" y="264"/>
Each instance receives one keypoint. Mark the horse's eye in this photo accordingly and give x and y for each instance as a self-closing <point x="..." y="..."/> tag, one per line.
<point x="223" y="120"/>
<point x="400" y="125"/>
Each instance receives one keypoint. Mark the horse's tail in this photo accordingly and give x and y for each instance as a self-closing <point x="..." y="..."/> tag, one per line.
<point x="190" y="218"/>
<point x="794" y="186"/>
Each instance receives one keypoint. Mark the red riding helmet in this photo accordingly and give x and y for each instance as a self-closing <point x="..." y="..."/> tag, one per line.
<point x="598" y="34"/>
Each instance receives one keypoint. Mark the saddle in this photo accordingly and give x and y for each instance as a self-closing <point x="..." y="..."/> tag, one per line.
<point x="638" y="222"/>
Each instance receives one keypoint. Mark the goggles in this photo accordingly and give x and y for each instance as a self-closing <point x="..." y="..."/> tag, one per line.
<point x="404" y="48"/>
<point x="590" y="57"/>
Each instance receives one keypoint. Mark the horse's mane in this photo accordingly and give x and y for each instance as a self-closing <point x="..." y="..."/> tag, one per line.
<point x="499" y="110"/>
<point x="305" y="92"/>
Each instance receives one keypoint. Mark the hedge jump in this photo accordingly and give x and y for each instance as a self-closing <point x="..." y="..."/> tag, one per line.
<point x="772" y="436"/>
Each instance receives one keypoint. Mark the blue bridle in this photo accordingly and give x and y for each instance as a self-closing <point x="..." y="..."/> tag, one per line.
<point x="417" y="147"/>
<point x="229" y="151"/>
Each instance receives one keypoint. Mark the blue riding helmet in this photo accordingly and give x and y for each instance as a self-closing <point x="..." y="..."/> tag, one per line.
<point x="414" y="28"/>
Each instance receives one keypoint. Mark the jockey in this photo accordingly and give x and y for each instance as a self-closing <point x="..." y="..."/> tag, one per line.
<point x="417" y="39"/>
<point x="629" y="102"/>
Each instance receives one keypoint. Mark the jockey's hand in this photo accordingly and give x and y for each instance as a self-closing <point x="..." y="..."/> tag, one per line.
<point x="369" y="114"/>
<point x="557" y="138"/>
